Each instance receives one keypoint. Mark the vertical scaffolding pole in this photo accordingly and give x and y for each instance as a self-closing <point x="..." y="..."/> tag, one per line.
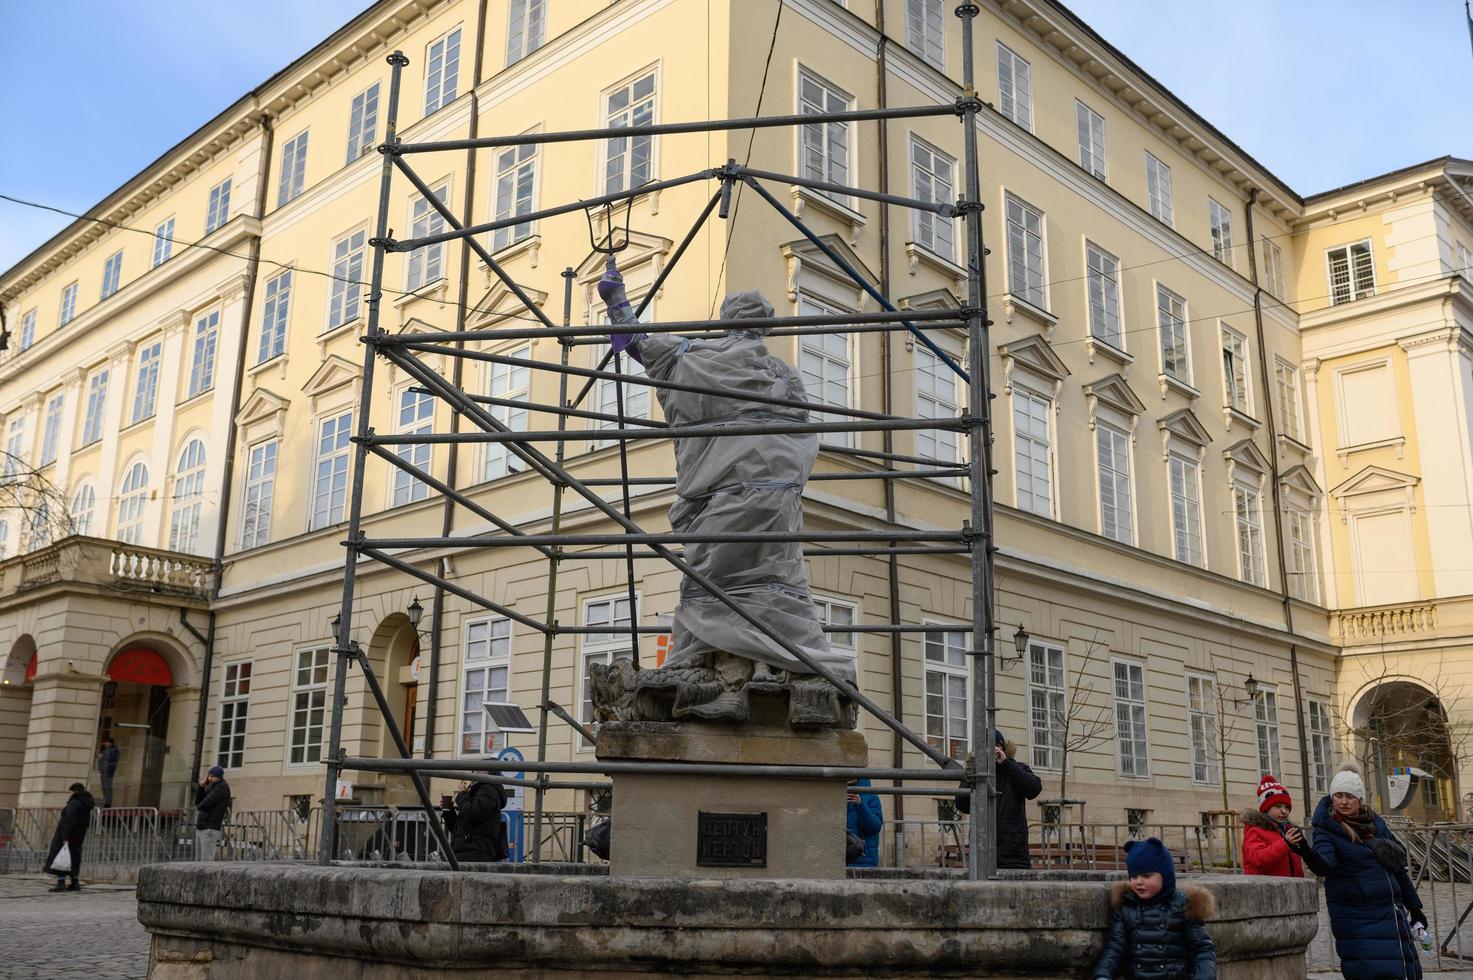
<point x="982" y="853"/>
<point x="552" y="567"/>
<point x="342" y="646"/>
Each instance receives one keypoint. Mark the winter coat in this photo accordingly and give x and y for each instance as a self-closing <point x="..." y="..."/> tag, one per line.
<point x="71" y="830"/>
<point x="864" y="819"/>
<point x="1368" y="904"/>
<point x="211" y="803"/>
<point x="1267" y="852"/>
<point x="1160" y="939"/>
<point x="1016" y="785"/>
<point x="477" y="833"/>
<point x="107" y="760"/>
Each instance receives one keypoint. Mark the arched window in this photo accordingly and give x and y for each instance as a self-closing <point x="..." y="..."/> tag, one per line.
<point x="131" y="502"/>
<point x="83" y="502"/>
<point x="189" y="488"/>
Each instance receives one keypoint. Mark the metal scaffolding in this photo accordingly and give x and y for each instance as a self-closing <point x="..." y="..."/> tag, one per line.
<point x="974" y="538"/>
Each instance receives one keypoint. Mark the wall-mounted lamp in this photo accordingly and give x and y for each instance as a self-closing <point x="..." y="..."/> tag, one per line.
<point x="337" y="624"/>
<point x="1250" y="688"/>
<point x="1020" y="641"/>
<point x="416" y="612"/>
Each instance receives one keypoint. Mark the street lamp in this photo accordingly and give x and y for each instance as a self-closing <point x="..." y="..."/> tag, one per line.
<point x="1250" y="688"/>
<point x="416" y="613"/>
<point x="336" y="623"/>
<point x="1020" y="641"/>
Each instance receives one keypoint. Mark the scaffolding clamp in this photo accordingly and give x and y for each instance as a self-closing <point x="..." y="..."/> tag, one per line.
<point x="968" y="102"/>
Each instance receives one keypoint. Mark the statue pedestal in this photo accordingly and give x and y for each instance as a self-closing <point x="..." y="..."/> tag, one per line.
<point x="727" y="826"/>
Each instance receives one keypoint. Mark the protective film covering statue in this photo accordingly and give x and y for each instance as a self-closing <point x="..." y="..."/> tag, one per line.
<point x="738" y="483"/>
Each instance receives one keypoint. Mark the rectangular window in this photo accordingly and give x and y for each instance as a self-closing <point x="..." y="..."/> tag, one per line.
<point x="933" y="179"/>
<point x="426" y="263"/>
<point x="260" y="487"/>
<point x="1025" y="251"/>
<point x="112" y="273"/>
<point x="823" y="148"/>
<point x="1033" y="451"/>
<point x="936" y="398"/>
<point x="947" y="701"/>
<point x="1465" y="262"/>
<point x="1130" y="718"/>
<point x="512" y="382"/>
<point x="1014" y="87"/>
<point x="636" y="397"/>
<point x="347" y="281"/>
<point x="274" y="315"/>
<point x="202" y="357"/>
<point x="1046" y="709"/>
<point x="96" y="405"/>
<point x="1112" y="451"/>
<point x="28" y="330"/>
<point x="524" y="28"/>
<point x="835" y="612"/>
<point x="824" y="362"/>
<point x="293" y="169"/>
<point x="442" y="71"/>
<point x="235" y="702"/>
<point x="1304" y="579"/>
<point x="1273" y="268"/>
<point x="1286" y="379"/>
<point x="925" y="30"/>
<point x="629" y="160"/>
<point x="613" y="615"/>
<point x="1186" y="510"/>
<point x="1158" y="189"/>
<point x="1249" y="516"/>
<point x="1220" y="219"/>
<point x="487" y="669"/>
<point x="146" y="387"/>
<point x="218" y="210"/>
<point x="1103" y="270"/>
<point x="330" y="479"/>
<point x="1090" y="128"/>
<point x="309" y="705"/>
<point x="416" y="416"/>
<point x="1235" y="390"/>
<point x="1321" y="744"/>
<point x="1352" y="272"/>
<point x="516" y="176"/>
<point x="1266" y="721"/>
<point x="68" y="305"/>
<point x="15" y="439"/>
<point x="163" y="242"/>
<point x="1202" y="720"/>
<point x="51" y="430"/>
<point x="362" y="122"/>
<point x="1171" y="317"/>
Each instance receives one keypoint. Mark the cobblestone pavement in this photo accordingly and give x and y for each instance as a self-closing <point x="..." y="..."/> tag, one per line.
<point x="1443" y="904"/>
<point x="93" y="933"/>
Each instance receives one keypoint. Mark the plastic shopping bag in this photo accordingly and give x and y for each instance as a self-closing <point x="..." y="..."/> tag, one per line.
<point x="63" y="860"/>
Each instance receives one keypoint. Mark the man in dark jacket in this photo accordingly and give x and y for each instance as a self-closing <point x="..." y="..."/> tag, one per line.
<point x="1016" y="785"/>
<point x="107" y="766"/>
<point x="211" y="803"/>
<point x="477" y="832"/>
<point x="71" y="830"/>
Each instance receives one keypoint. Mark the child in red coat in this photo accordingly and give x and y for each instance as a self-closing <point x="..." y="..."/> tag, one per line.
<point x="1271" y="844"/>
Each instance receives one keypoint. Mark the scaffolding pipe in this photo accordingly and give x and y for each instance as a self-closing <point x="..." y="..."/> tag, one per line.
<point x="944" y="208"/>
<point x="670" y="432"/>
<point x="597" y="767"/>
<point x="654" y="538"/>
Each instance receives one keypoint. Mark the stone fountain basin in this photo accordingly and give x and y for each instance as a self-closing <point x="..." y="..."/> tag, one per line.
<point x="369" y="922"/>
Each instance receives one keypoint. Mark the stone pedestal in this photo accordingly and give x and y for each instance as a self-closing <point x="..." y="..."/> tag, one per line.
<point x="727" y="826"/>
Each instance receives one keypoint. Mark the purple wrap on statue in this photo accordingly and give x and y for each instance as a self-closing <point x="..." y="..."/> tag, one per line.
<point x="616" y="301"/>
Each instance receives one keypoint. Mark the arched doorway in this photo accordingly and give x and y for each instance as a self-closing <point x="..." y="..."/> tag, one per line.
<point x="1403" y="734"/>
<point x="15" y="715"/>
<point x="134" y="712"/>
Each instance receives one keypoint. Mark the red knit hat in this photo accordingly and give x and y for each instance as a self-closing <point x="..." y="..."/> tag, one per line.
<point x="1271" y="792"/>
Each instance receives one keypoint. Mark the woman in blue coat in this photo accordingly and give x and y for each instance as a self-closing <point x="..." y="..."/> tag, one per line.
<point x="864" y="818"/>
<point x="1371" y="900"/>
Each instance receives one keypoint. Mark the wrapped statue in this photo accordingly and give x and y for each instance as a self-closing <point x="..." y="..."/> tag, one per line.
<point x="728" y="484"/>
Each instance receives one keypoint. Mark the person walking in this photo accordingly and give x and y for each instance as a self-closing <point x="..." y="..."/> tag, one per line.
<point x="473" y="823"/>
<point x="71" y="830"/>
<point x="1372" y="903"/>
<point x="864" y="817"/>
<point x="1271" y="844"/>
<point x="107" y="766"/>
<point x="211" y="803"/>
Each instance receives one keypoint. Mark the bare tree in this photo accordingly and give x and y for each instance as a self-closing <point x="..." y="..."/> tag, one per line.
<point x="35" y="504"/>
<point x="1229" y="730"/>
<point x="1080" y="723"/>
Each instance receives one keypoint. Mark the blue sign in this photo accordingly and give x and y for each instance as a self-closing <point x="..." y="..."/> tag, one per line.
<point x="512" y="815"/>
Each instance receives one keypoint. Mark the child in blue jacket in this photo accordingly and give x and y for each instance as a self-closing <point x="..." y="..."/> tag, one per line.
<point x="865" y="817"/>
<point x="1158" y="930"/>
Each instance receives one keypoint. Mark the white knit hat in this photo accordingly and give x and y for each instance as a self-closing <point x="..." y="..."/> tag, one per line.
<point x="1348" y="780"/>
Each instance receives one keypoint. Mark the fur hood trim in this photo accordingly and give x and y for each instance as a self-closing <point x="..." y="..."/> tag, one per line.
<point x="1201" y="904"/>
<point x="1252" y="818"/>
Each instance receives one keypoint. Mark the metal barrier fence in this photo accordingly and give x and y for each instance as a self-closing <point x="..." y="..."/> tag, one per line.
<point x="1441" y="860"/>
<point x="1066" y="846"/>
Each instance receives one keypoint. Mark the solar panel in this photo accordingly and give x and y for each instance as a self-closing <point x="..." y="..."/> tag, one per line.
<point x="508" y="718"/>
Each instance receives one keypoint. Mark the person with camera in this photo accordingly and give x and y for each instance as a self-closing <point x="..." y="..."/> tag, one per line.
<point x="1271" y="844"/>
<point x="473" y="822"/>
<point x="211" y="804"/>
<point x="863" y="819"/>
<point x="1374" y="908"/>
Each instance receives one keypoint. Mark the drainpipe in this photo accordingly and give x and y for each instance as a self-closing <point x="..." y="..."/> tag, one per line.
<point x="1306" y="758"/>
<point x="897" y="672"/>
<point x="437" y="604"/>
<point x="253" y="264"/>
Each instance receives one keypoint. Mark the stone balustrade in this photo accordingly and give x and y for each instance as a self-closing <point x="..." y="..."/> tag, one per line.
<point x="95" y="561"/>
<point x="1369" y="624"/>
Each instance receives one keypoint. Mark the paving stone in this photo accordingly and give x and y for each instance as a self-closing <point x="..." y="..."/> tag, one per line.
<point x="90" y="934"/>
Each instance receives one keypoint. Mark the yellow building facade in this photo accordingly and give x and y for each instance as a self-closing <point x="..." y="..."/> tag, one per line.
<point x="1194" y="475"/>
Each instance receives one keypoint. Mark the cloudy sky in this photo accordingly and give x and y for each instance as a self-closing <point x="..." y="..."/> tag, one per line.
<point x="1322" y="92"/>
